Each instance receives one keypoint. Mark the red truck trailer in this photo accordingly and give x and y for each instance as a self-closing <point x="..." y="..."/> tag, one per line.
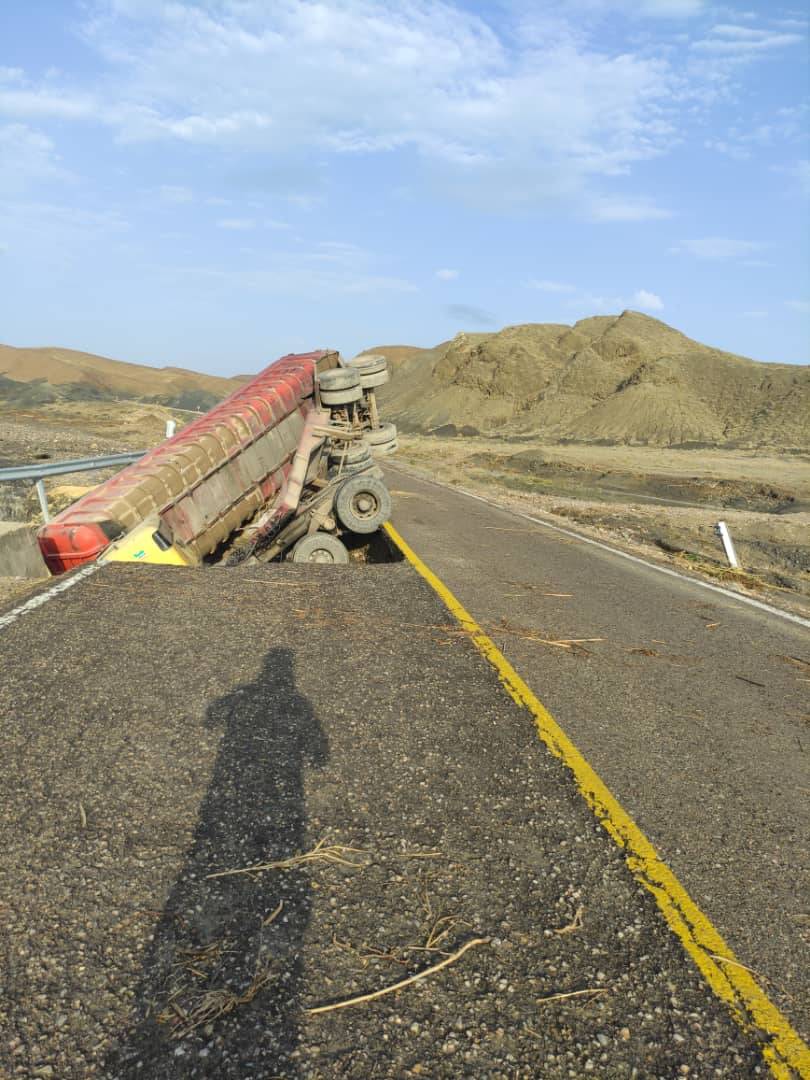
<point x="275" y="457"/>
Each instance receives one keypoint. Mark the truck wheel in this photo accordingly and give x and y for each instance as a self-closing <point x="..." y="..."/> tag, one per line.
<point x="369" y="365"/>
<point x="351" y="454"/>
<point x="383" y="434"/>
<point x="383" y="439"/>
<point x="369" y="382"/>
<point x="320" y="547"/>
<point x="341" y="397"/>
<point x="363" y="503"/>
<point x="336" y="471"/>
<point x="339" y="379"/>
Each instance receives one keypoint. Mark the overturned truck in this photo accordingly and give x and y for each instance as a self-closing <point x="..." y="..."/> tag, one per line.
<point x="286" y="464"/>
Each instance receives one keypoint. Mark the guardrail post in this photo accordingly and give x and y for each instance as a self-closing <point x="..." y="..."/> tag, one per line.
<point x="43" y="500"/>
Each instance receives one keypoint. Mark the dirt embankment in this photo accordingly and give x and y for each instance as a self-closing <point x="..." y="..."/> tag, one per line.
<point x="626" y="379"/>
<point x="664" y="503"/>
<point x="72" y="430"/>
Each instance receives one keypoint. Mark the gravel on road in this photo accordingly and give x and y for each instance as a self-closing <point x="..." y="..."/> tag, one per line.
<point x="162" y="725"/>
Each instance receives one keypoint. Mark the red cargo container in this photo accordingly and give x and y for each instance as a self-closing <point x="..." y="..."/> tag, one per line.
<point x="205" y="481"/>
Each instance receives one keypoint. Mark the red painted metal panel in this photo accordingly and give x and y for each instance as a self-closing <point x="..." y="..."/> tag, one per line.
<point x="81" y="532"/>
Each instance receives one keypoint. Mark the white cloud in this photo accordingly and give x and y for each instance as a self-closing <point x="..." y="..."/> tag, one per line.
<point x="57" y="235"/>
<point x="729" y="148"/>
<point x="656" y="9"/>
<point x="787" y="124"/>
<point x="544" y="285"/>
<point x="802" y="25"/>
<point x="194" y="127"/>
<point x="616" y="209"/>
<point x="447" y="275"/>
<point x="175" y="194"/>
<point x="311" y="274"/>
<point x="718" y="247"/>
<point x="671" y="8"/>
<point x="744" y="42"/>
<point x="648" y="301"/>
<point x="601" y="304"/>
<point x="37" y="104"/>
<point x="801" y="174"/>
<point x="33" y="157"/>
<point x="531" y="108"/>
<point x="582" y="300"/>
<point x="798" y="305"/>
<point x="509" y="118"/>
<point x="237" y="224"/>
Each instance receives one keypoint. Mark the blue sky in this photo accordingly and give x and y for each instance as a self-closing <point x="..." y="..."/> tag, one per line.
<point x="214" y="183"/>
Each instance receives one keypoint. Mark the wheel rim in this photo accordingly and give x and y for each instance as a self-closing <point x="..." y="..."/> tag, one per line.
<point x="365" y="505"/>
<point x="322" y="555"/>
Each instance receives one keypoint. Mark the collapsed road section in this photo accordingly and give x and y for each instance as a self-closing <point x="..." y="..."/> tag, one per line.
<point x="236" y="801"/>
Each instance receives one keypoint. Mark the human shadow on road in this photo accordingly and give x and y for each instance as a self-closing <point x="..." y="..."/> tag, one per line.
<point x="217" y="944"/>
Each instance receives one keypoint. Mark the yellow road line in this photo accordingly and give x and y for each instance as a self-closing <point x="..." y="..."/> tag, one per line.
<point x="782" y="1047"/>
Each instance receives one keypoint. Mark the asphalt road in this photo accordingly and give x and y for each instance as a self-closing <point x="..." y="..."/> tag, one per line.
<point x="159" y="725"/>
<point x="692" y="707"/>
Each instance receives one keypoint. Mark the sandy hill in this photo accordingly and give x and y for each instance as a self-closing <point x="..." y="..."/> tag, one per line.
<point x="625" y="379"/>
<point x="52" y="374"/>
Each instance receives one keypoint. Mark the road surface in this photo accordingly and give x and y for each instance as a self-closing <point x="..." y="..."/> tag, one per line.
<point x="693" y="707"/>
<point x="159" y="725"/>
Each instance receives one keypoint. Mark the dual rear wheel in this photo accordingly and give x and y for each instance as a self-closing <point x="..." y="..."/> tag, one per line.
<point x="362" y="505"/>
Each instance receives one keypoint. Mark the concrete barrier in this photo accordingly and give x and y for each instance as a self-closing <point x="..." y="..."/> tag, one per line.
<point x="19" y="552"/>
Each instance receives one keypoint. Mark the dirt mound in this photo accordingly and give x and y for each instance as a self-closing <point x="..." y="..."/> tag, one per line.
<point x="625" y="379"/>
<point x="45" y="375"/>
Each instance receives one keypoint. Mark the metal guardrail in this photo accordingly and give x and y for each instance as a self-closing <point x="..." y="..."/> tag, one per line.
<point x="39" y="471"/>
<point x="58" y="468"/>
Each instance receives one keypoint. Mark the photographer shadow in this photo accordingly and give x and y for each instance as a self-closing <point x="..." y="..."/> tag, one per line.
<point x="219" y="991"/>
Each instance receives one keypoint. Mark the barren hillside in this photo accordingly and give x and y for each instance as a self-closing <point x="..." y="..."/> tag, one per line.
<point x="625" y="379"/>
<point x="41" y="375"/>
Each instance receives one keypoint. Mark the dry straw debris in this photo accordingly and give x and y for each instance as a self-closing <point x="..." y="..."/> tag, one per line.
<point x="361" y="998"/>
<point x="322" y="852"/>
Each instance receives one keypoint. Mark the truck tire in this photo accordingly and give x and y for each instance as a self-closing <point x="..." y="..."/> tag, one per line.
<point x="383" y="439"/>
<point x="321" y="547"/>
<point x="337" y="471"/>
<point x="383" y="434"/>
<point x="351" y="454"/>
<point x="369" y="365"/>
<point x="377" y="378"/>
<point x="363" y="503"/>
<point x="339" y="379"/>
<point x="341" y="397"/>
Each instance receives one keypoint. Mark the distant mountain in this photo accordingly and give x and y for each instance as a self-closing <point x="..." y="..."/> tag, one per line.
<point x="624" y="379"/>
<point x="38" y="376"/>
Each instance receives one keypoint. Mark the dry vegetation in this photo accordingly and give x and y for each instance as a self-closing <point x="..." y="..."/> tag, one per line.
<point x="72" y="429"/>
<point x="660" y="502"/>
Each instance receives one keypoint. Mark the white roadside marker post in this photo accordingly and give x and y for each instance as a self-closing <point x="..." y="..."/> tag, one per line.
<point x="171" y="427"/>
<point x="722" y="531"/>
